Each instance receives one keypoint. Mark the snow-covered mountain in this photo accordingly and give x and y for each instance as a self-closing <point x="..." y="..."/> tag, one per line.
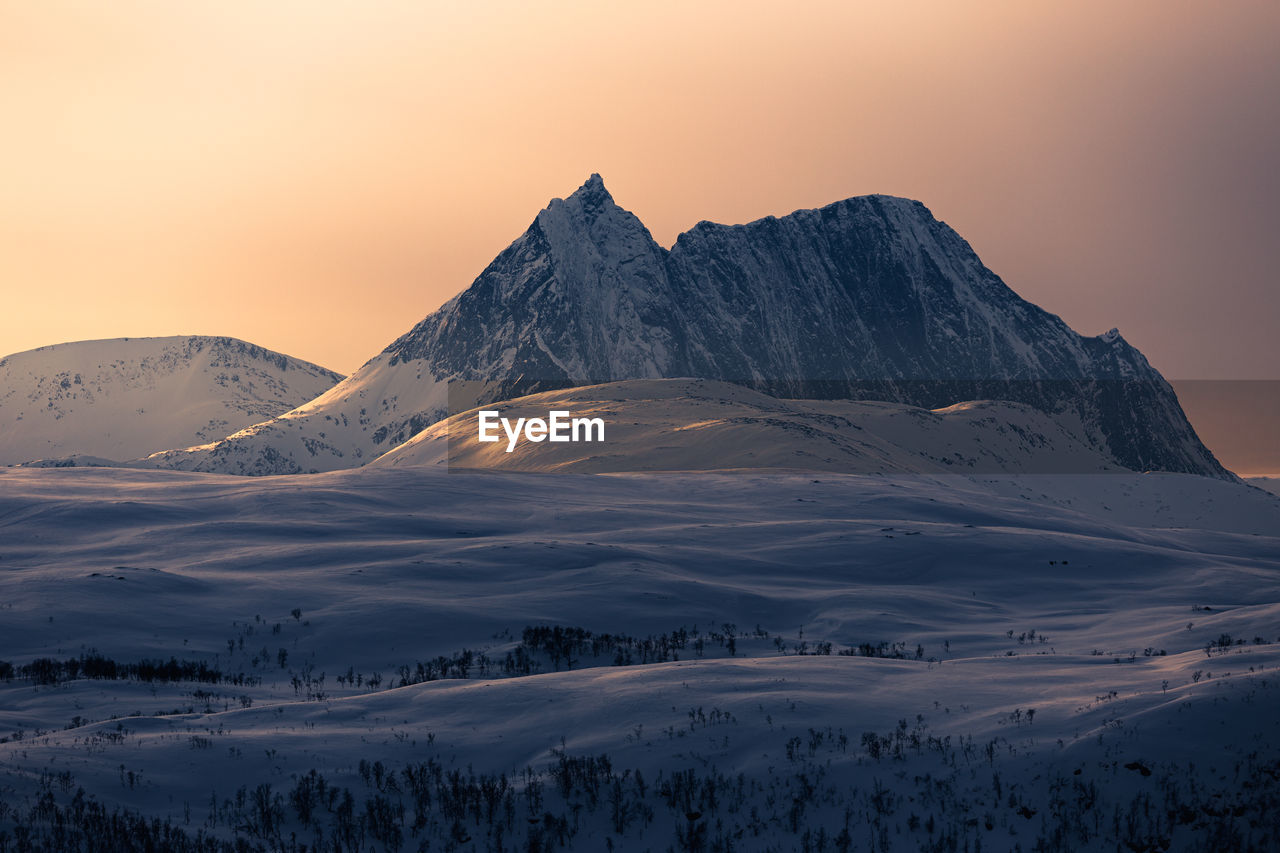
<point x="123" y="398"/>
<point x="702" y="424"/>
<point x="868" y="298"/>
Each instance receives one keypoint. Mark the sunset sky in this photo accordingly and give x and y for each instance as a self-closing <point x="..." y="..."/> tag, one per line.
<point x="317" y="176"/>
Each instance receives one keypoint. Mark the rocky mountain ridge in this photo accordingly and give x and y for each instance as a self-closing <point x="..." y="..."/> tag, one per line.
<point x="867" y="298"/>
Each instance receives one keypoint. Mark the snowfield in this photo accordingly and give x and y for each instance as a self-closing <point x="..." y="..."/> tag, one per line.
<point x="404" y="658"/>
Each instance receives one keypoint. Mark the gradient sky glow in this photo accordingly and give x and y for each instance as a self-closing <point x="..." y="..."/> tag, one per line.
<point x="317" y="176"/>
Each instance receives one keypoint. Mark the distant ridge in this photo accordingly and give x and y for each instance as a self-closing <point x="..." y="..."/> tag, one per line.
<point x="123" y="398"/>
<point x="867" y="298"/>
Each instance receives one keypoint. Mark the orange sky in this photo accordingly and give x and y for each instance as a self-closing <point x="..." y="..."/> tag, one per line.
<point x="317" y="176"/>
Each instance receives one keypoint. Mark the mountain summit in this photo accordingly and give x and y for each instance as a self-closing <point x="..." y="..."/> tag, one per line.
<point x="121" y="398"/>
<point x="868" y="298"/>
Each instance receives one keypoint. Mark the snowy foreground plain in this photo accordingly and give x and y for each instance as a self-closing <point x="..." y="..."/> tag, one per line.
<point x="765" y="661"/>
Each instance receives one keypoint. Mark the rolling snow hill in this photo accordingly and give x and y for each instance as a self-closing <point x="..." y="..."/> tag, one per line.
<point x="124" y="398"/>
<point x="697" y="424"/>
<point x="384" y="659"/>
<point x="868" y="298"/>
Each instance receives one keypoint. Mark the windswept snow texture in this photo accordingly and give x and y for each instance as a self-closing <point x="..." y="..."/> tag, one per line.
<point x="97" y="401"/>
<point x="400" y="659"/>
<point x="699" y="424"/>
<point x="868" y="298"/>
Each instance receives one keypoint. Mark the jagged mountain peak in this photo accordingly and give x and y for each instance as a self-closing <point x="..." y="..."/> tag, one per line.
<point x="570" y="297"/>
<point x="871" y="297"/>
<point x="589" y="214"/>
<point x="586" y="204"/>
<point x="890" y="208"/>
<point x="1112" y="336"/>
<point x="592" y="188"/>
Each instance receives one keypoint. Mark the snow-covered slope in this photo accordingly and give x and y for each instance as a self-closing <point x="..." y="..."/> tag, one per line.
<point x="124" y="398"/>
<point x="1271" y="484"/>
<point x="700" y="424"/>
<point x="868" y="298"/>
<point x="921" y="662"/>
